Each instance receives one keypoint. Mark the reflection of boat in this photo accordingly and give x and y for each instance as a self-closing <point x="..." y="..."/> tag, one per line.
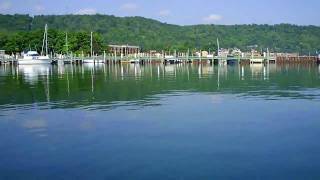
<point x="231" y="59"/>
<point x="92" y="65"/>
<point x="256" y="69"/>
<point x="206" y="70"/>
<point x="31" y="73"/>
<point x="170" y="70"/>
<point x="32" y="57"/>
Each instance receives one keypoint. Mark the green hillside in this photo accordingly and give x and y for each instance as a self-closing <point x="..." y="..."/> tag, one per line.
<point x="20" y="32"/>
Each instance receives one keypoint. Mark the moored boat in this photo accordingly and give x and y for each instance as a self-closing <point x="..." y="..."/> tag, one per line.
<point x="93" y="61"/>
<point x="134" y="61"/>
<point x="32" y="57"/>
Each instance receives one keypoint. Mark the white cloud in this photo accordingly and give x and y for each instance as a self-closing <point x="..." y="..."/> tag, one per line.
<point x="87" y="11"/>
<point x="39" y="8"/>
<point x="164" y="13"/>
<point x="5" y="5"/>
<point x="129" y="7"/>
<point x="212" y="18"/>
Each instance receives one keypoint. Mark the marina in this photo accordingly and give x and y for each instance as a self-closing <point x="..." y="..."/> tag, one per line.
<point x="168" y="59"/>
<point x="159" y="90"/>
<point x="80" y="118"/>
<point x="132" y="54"/>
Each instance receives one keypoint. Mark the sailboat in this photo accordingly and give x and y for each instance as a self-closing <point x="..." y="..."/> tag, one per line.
<point x="220" y="58"/>
<point x="32" y="57"/>
<point x="91" y="59"/>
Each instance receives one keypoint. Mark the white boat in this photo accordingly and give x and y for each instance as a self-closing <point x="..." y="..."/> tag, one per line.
<point x="92" y="61"/>
<point x="256" y="60"/>
<point x="171" y="59"/>
<point x="32" y="57"/>
<point x="134" y="60"/>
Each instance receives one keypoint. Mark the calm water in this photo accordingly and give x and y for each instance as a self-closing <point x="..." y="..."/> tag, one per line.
<point x="160" y="122"/>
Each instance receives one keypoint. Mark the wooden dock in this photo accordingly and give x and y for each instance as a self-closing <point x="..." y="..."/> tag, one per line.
<point x="166" y="59"/>
<point x="8" y="61"/>
<point x="298" y="59"/>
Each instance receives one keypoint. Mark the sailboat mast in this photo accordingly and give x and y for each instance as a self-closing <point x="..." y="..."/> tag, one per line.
<point x="45" y="41"/>
<point x="91" y="45"/>
<point x="67" y="48"/>
<point x="46" y="31"/>
<point x="218" y="46"/>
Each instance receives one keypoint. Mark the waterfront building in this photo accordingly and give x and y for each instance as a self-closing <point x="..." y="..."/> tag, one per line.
<point x="287" y="54"/>
<point x="124" y="50"/>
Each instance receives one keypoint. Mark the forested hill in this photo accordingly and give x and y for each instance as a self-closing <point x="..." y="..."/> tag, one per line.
<point x="25" y="31"/>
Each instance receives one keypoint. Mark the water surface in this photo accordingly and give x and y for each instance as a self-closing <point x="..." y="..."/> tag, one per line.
<point x="160" y="122"/>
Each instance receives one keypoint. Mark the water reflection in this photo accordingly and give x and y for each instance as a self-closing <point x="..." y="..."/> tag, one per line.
<point x="134" y="121"/>
<point x="107" y="86"/>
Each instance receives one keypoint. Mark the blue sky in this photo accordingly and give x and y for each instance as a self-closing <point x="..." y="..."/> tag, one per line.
<point x="182" y="12"/>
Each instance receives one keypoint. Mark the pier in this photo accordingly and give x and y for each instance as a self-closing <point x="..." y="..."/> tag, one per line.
<point x="167" y="58"/>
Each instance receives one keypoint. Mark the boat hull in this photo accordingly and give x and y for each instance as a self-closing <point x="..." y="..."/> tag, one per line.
<point x="33" y="61"/>
<point x="134" y="61"/>
<point x="92" y="61"/>
<point x="256" y="60"/>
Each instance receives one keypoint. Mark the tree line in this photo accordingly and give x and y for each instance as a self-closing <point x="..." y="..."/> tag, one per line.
<point x="21" y="32"/>
<point x="77" y="42"/>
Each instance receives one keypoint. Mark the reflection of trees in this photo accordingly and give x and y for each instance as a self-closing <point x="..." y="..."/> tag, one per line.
<point x="75" y="86"/>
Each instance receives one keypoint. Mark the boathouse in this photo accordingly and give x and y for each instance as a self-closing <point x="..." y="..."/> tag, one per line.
<point x="123" y="49"/>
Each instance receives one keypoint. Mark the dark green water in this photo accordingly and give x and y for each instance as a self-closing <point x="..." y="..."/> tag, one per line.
<point x="160" y="122"/>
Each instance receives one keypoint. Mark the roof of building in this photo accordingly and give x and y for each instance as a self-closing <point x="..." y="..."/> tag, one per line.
<point x="123" y="46"/>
